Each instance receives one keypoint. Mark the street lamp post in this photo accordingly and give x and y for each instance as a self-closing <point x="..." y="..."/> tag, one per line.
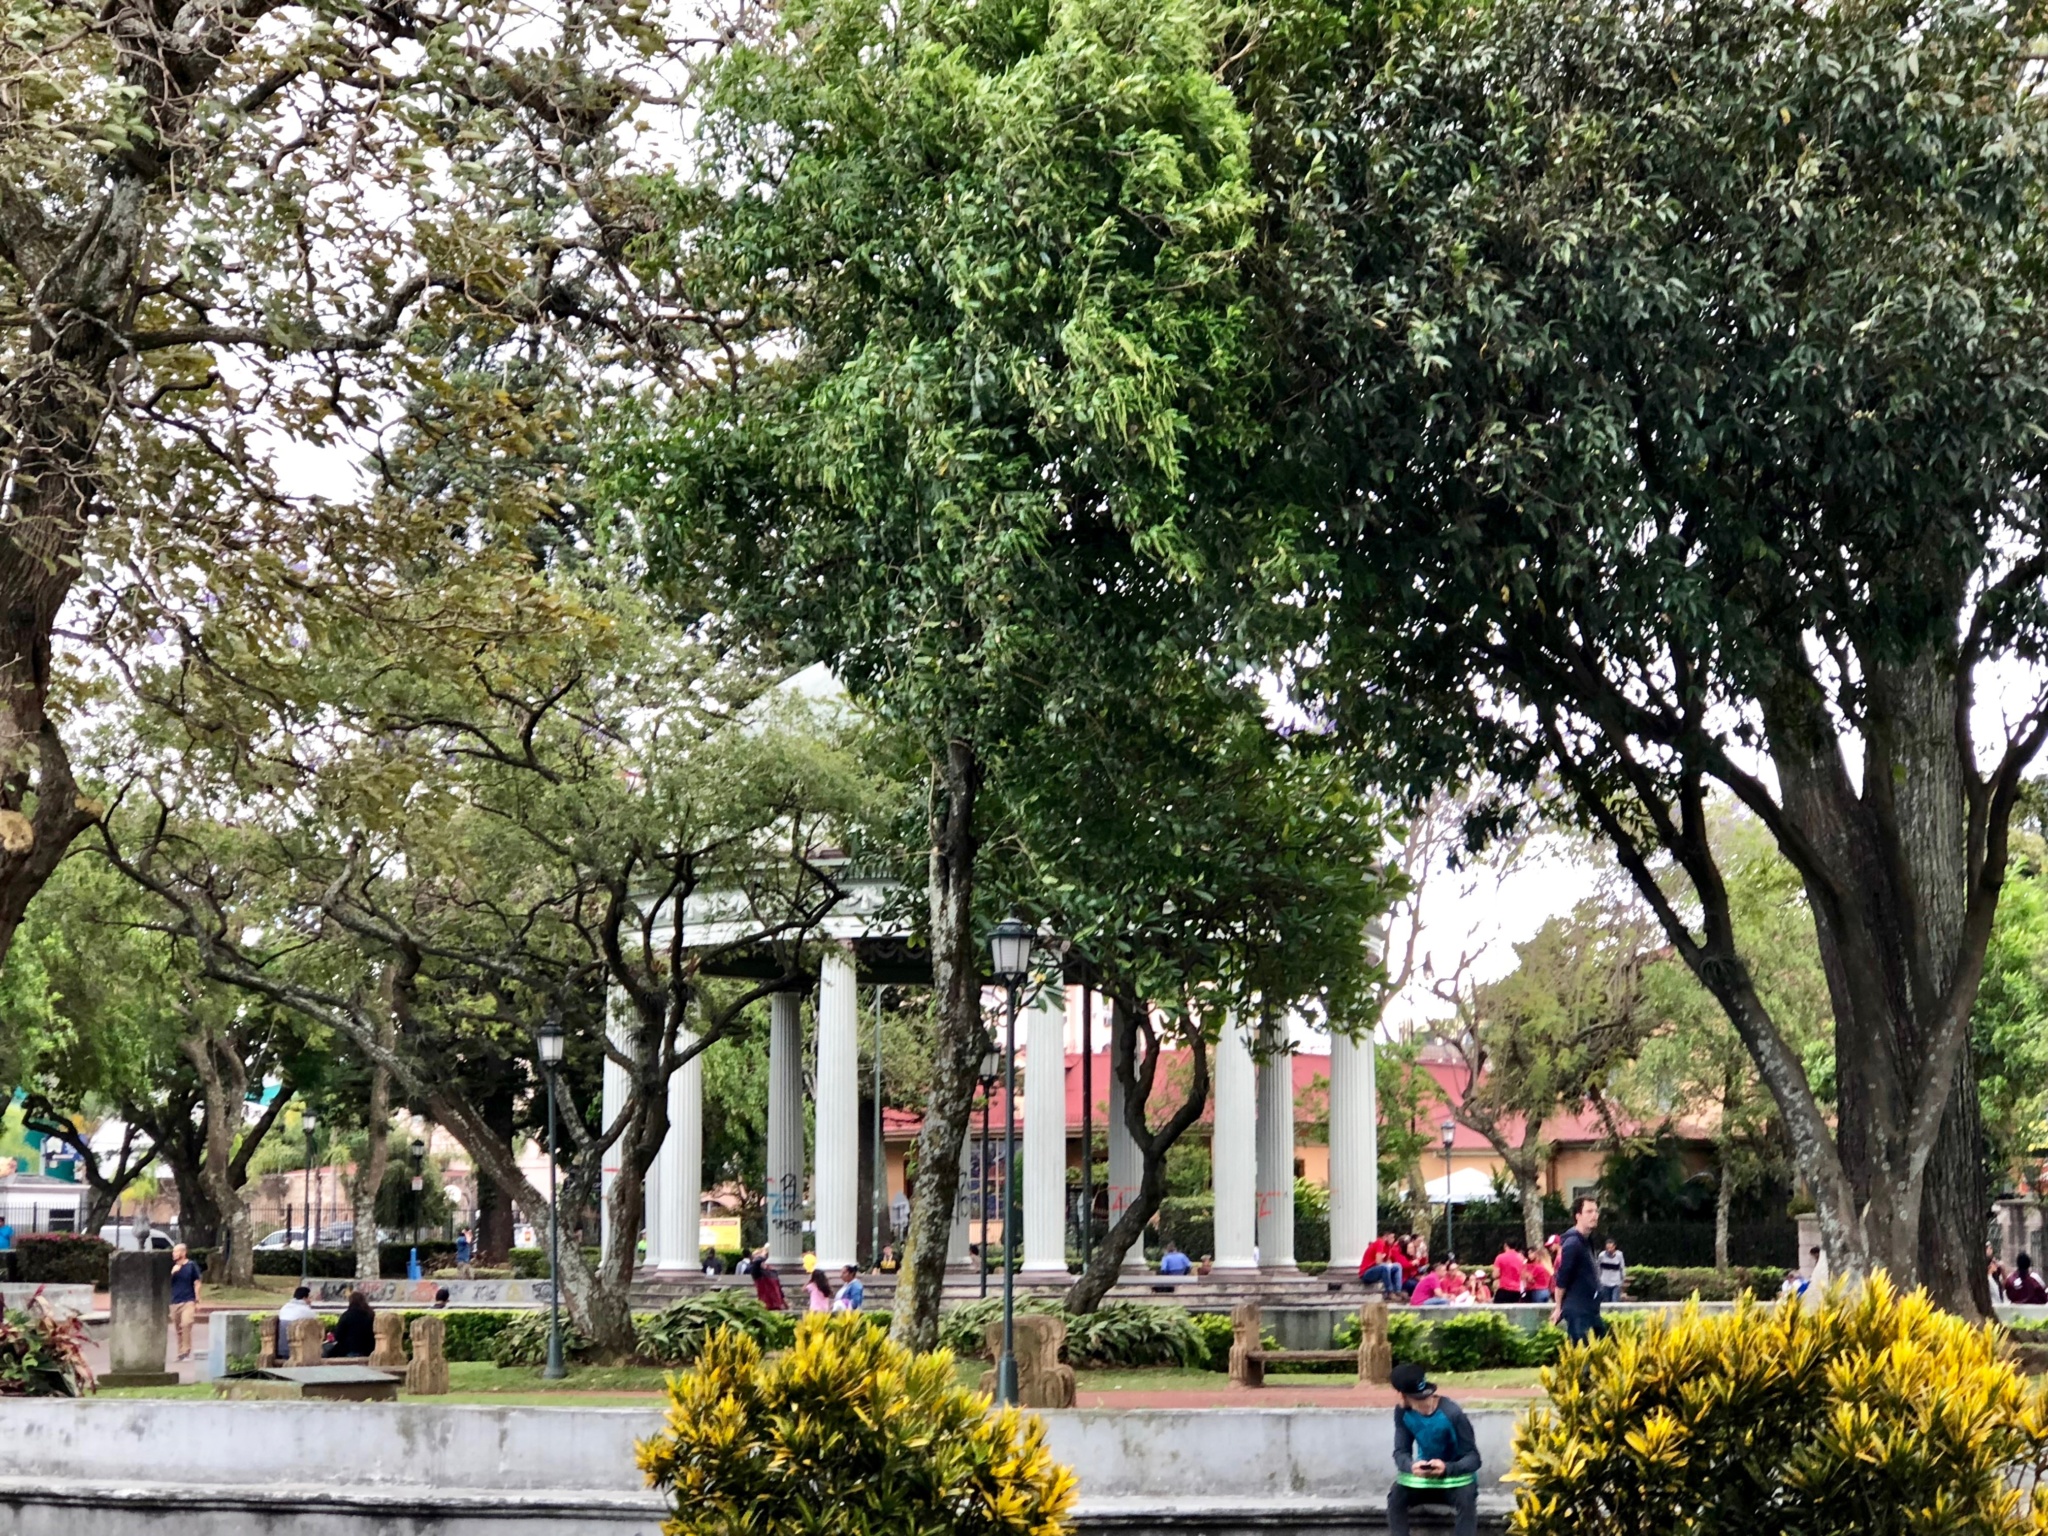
<point x="550" y="1037"/>
<point x="310" y="1123"/>
<point x="419" y="1190"/>
<point x="991" y="1069"/>
<point x="1450" y="1134"/>
<point x="1010" y="949"/>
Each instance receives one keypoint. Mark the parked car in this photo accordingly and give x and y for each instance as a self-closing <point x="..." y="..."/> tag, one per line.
<point x="280" y="1239"/>
<point x="122" y="1235"/>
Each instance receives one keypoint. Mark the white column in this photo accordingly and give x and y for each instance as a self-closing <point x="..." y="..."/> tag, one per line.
<point x="615" y="1089"/>
<point x="1276" y="1152"/>
<point x="1045" y="1135"/>
<point x="1354" y="1152"/>
<point x="785" y="1131"/>
<point x="650" y="1204"/>
<point x="681" y="1167"/>
<point x="1234" y="1149"/>
<point x="835" y="1181"/>
<point x="1125" y="1167"/>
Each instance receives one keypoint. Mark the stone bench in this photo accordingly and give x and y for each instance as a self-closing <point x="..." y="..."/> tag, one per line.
<point x="1249" y="1358"/>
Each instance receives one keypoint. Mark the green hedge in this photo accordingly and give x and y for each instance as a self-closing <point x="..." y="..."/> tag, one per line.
<point x="1118" y="1333"/>
<point x="1650" y="1283"/>
<point x="532" y="1263"/>
<point x="1474" y="1340"/>
<point x="1190" y="1221"/>
<point x="61" y="1258"/>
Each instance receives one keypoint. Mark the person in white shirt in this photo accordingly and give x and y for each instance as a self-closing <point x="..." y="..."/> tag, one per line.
<point x="299" y="1306"/>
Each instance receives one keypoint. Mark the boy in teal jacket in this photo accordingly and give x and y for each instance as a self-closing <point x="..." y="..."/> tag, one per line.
<point x="1436" y="1457"/>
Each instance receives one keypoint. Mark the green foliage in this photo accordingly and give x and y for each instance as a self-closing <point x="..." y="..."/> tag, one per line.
<point x="1118" y="1333"/>
<point x="1872" y="1414"/>
<point x="1190" y="1221"/>
<point x="1216" y="1335"/>
<point x="2009" y="1023"/>
<point x="847" y="1432"/>
<point x="675" y="1335"/>
<point x="1650" y="1283"/>
<point x="1673" y="369"/>
<point x="472" y="1333"/>
<point x="1465" y="1340"/>
<point x="523" y="1340"/>
<point x="42" y="1355"/>
<point x="61" y="1258"/>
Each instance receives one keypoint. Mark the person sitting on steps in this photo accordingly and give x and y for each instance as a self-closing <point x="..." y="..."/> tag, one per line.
<point x="1436" y="1456"/>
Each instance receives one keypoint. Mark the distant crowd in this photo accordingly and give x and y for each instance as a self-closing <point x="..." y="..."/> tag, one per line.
<point x="1401" y="1267"/>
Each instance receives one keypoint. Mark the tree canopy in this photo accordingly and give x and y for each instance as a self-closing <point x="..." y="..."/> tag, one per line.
<point x="1676" y="386"/>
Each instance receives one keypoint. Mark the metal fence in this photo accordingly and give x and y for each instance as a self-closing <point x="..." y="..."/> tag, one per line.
<point x="1666" y="1244"/>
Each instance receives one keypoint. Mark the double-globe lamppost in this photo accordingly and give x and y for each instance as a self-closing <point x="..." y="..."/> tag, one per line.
<point x="1010" y="950"/>
<point x="551" y="1042"/>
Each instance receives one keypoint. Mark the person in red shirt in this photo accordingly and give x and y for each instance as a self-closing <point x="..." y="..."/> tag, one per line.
<point x="1430" y="1290"/>
<point x="2023" y="1287"/>
<point x="1536" y="1278"/>
<point x="1508" y="1270"/>
<point x="1381" y="1266"/>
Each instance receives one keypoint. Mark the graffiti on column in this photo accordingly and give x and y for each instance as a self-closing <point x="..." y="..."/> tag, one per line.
<point x="785" y="1205"/>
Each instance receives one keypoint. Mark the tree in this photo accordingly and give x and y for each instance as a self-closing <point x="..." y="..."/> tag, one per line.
<point x="2009" y="1024"/>
<point x="1543" y="1040"/>
<point x="188" y="276"/>
<point x="504" y="834"/>
<point x="1673" y="422"/>
<point x="1213" y="873"/>
<point x="985" y="343"/>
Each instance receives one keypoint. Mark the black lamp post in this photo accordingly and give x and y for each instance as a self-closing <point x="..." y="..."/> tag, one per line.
<point x="419" y="1188"/>
<point x="1010" y="948"/>
<point x="310" y="1122"/>
<point x="991" y="1069"/>
<point x="550" y="1039"/>
<point x="1450" y="1134"/>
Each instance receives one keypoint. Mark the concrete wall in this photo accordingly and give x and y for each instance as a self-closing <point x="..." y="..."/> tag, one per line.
<point x="66" y="1300"/>
<point x="114" y="1466"/>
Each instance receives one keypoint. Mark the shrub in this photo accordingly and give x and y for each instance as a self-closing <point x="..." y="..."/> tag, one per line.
<point x="529" y="1263"/>
<point x="1460" y="1341"/>
<point x="1871" y="1414"/>
<point x="61" y="1258"/>
<point x="1476" y="1341"/>
<point x="848" y="1431"/>
<point x="1190" y="1221"/>
<point x="42" y="1355"/>
<point x="472" y="1332"/>
<point x="674" y="1335"/>
<point x="1118" y="1333"/>
<point x="523" y="1340"/>
<point x="1216" y="1334"/>
<point x="1649" y="1283"/>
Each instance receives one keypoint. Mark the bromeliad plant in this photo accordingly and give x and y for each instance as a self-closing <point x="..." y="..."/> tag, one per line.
<point x="1872" y="1414"/>
<point x="847" y="1433"/>
<point x="42" y="1354"/>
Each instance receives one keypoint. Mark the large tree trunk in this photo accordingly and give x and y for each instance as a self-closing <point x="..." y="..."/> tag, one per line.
<point x="956" y="1047"/>
<point x="224" y="1080"/>
<point x="1529" y="1185"/>
<point x="1890" y="897"/>
<point x="1138" y="1079"/>
<point x="1724" y="1197"/>
<point x="369" y="1175"/>
<point x="494" y="1203"/>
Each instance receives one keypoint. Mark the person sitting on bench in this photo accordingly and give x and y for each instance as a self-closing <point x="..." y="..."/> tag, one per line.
<point x="1436" y="1458"/>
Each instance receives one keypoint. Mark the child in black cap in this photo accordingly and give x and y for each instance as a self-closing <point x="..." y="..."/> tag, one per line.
<point x="1436" y="1458"/>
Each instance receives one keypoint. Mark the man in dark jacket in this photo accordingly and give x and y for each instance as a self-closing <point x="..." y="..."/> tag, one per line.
<point x="1578" y="1275"/>
<point x="1436" y="1458"/>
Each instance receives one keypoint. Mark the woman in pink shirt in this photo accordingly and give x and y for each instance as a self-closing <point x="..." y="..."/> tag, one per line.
<point x="1429" y="1290"/>
<point x="818" y="1289"/>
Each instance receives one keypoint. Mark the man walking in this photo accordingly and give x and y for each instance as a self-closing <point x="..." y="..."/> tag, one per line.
<point x="184" y="1298"/>
<point x="1436" y="1457"/>
<point x="1578" y="1277"/>
<point x="1613" y="1272"/>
